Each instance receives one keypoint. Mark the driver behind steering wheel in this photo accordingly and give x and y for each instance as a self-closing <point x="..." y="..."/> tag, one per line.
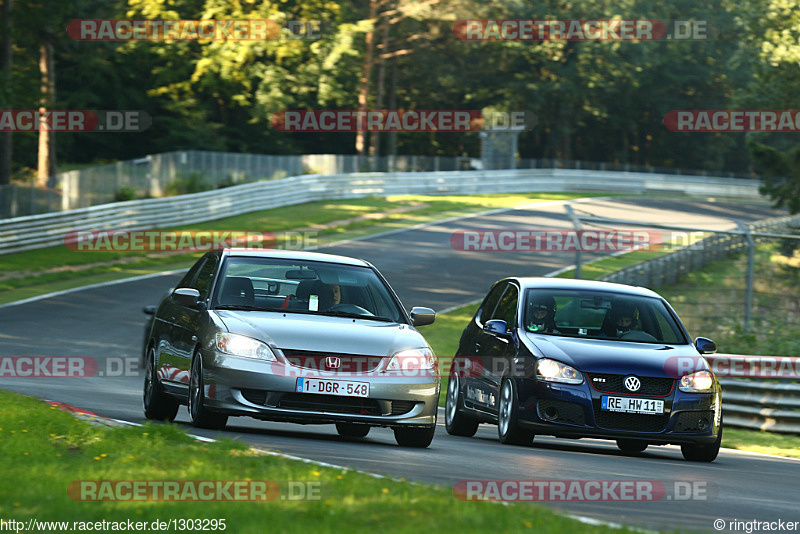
<point x="624" y="318"/>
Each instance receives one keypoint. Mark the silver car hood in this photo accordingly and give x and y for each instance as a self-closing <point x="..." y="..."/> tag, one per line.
<point x="322" y="333"/>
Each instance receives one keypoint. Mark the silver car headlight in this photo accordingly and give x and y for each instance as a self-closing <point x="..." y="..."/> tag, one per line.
<point x="553" y="371"/>
<point x="413" y="360"/>
<point x="246" y="347"/>
<point x="697" y="382"/>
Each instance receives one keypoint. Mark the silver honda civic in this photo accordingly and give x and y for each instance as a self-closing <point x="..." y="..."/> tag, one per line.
<point x="291" y="336"/>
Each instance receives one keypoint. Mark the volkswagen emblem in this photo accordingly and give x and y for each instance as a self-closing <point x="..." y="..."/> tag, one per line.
<point x="332" y="362"/>
<point x="632" y="383"/>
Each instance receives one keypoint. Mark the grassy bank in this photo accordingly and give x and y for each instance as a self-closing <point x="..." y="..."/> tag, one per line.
<point x="45" y="450"/>
<point x="30" y="273"/>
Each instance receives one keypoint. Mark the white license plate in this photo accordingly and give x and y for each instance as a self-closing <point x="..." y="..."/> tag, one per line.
<point x="631" y="405"/>
<point x="343" y="388"/>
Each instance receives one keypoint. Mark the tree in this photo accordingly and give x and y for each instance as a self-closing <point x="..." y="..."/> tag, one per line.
<point x="6" y="70"/>
<point x="771" y="42"/>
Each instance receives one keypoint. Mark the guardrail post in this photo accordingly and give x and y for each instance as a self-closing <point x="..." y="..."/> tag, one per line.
<point x="576" y="222"/>
<point x="748" y="298"/>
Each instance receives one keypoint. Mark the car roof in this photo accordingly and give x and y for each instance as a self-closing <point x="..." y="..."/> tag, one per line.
<point x="293" y="255"/>
<point x="573" y="283"/>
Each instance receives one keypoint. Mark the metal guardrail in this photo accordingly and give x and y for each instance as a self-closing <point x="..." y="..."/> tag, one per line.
<point x="772" y="405"/>
<point x="667" y="269"/>
<point x="45" y="230"/>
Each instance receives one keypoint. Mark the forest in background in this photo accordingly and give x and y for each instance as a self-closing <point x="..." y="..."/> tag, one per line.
<point x="595" y="100"/>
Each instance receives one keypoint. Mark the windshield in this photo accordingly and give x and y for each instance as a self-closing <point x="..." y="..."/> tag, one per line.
<point x="600" y="315"/>
<point x="304" y="287"/>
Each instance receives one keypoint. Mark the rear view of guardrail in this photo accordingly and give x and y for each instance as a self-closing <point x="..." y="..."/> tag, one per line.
<point x="38" y="231"/>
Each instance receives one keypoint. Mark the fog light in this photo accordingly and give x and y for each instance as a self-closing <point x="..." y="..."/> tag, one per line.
<point x="550" y="413"/>
<point x="703" y="424"/>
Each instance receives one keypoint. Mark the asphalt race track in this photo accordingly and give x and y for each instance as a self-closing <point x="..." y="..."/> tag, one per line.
<point x="106" y="324"/>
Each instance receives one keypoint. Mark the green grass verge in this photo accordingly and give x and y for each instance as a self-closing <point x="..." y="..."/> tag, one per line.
<point x="763" y="442"/>
<point x="56" y="268"/>
<point x="45" y="449"/>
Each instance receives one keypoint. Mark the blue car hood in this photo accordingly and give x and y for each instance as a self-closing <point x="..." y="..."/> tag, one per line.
<point x="616" y="357"/>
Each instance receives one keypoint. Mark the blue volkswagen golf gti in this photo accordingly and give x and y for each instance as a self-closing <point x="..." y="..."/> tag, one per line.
<point x="575" y="358"/>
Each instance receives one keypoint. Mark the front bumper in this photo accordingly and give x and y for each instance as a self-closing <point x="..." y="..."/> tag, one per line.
<point x="573" y="411"/>
<point x="267" y="390"/>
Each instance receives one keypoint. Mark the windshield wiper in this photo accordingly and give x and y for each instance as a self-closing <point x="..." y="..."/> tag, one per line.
<point x="358" y="316"/>
<point x="244" y="307"/>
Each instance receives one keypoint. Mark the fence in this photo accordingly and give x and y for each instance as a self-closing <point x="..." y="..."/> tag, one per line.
<point x="667" y="269"/>
<point x="37" y="231"/>
<point x="152" y="175"/>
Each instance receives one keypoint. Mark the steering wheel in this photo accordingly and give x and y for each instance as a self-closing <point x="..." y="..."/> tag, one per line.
<point x="637" y="335"/>
<point x="350" y="308"/>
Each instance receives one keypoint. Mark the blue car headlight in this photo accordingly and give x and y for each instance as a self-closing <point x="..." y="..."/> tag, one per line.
<point x="697" y="382"/>
<point x="553" y="371"/>
<point x="246" y="347"/>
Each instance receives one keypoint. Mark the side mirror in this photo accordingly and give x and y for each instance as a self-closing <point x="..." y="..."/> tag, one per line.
<point x="186" y="296"/>
<point x="705" y="345"/>
<point x="496" y="326"/>
<point x="149" y="310"/>
<point x="422" y="316"/>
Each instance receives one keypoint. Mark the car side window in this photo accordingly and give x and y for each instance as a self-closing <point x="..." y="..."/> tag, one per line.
<point x="487" y="310"/>
<point x="205" y="277"/>
<point x="507" y="307"/>
<point x="189" y="277"/>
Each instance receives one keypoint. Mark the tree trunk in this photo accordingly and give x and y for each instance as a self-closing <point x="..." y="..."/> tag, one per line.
<point x="363" y="93"/>
<point x="6" y="64"/>
<point x="47" y="139"/>
<point x="375" y="145"/>
<point x="392" y="150"/>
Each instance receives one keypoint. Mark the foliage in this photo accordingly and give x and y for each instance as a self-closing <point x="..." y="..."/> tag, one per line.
<point x="193" y="182"/>
<point x="124" y="193"/>
<point x="595" y="101"/>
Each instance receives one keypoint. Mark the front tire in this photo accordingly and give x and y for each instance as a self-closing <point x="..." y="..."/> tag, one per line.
<point x="703" y="453"/>
<point x="508" y="428"/>
<point x="456" y="422"/>
<point x="201" y="416"/>
<point x="414" y="437"/>
<point x="157" y="404"/>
